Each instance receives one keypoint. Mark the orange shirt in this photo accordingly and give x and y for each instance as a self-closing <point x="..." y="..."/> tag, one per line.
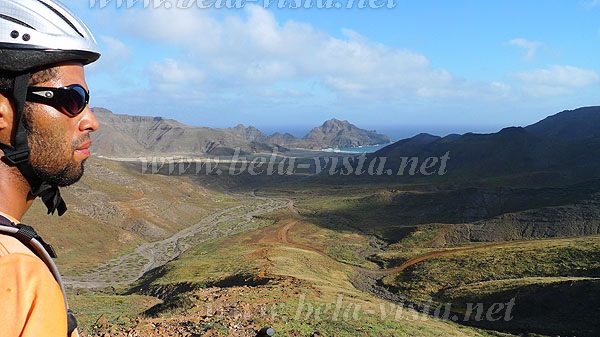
<point x="31" y="302"/>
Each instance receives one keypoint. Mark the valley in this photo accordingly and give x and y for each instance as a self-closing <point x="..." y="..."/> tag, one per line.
<point x="169" y="252"/>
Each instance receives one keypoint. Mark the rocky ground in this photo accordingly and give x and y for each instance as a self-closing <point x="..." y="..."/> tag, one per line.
<point x="235" y="311"/>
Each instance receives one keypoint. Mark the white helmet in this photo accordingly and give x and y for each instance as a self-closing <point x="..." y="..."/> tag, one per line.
<point x="39" y="33"/>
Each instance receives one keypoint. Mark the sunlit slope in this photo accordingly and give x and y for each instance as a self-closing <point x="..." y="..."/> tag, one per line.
<point x="545" y="256"/>
<point x="281" y="274"/>
<point x="115" y="208"/>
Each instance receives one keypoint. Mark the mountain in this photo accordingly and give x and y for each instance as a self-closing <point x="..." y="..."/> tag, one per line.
<point x="126" y="136"/>
<point x="569" y="125"/>
<point x="336" y="133"/>
<point x="561" y="149"/>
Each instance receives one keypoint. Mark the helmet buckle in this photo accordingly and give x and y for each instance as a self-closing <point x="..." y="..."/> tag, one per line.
<point x="17" y="157"/>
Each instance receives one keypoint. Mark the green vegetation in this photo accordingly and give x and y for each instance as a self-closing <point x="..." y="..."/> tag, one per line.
<point x="95" y="310"/>
<point x="210" y="262"/>
<point x="548" y="274"/>
<point x="316" y="266"/>
<point x="297" y="291"/>
<point x="578" y="257"/>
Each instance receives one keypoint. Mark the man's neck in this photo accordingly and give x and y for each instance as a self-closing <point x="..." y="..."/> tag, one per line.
<point x="15" y="198"/>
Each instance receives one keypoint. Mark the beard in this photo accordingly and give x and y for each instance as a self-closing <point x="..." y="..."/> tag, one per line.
<point x="52" y="157"/>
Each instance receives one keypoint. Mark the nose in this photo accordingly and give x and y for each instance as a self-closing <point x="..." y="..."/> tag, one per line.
<point x="88" y="121"/>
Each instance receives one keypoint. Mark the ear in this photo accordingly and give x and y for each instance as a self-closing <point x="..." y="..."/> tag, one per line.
<point x="6" y="119"/>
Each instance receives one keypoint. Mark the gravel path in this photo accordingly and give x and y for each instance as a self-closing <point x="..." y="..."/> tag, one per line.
<point x="130" y="267"/>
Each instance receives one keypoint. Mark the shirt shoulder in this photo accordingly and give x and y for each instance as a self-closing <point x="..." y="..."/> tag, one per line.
<point x="32" y="301"/>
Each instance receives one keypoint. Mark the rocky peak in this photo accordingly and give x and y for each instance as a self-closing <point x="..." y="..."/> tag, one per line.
<point x="249" y="133"/>
<point x="338" y="133"/>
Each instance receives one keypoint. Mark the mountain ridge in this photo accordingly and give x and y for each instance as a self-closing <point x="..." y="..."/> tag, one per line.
<point x="130" y="135"/>
<point x="564" y="146"/>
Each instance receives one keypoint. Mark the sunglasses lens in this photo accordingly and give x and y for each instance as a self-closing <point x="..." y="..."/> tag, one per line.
<point x="75" y="100"/>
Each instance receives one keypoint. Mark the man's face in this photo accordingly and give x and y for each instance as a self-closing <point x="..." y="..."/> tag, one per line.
<point x="60" y="144"/>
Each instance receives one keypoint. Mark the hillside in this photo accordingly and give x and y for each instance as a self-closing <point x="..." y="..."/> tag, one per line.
<point x="130" y="136"/>
<point x="561" y="149"/>
<point x="535" y="182"/>
<point x="211" y="263"/>
<point x="569" y="125"/>
<point x="115" y="208"/>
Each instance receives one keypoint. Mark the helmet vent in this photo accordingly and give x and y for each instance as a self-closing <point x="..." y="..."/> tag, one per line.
<point x="18" y="22"/>
<point x="62" y="17"/>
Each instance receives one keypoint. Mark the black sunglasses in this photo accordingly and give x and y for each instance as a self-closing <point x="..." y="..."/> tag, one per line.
<point x="71" y="100"/>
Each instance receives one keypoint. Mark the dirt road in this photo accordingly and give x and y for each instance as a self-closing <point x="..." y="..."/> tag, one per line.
<point x="283" y="237"/>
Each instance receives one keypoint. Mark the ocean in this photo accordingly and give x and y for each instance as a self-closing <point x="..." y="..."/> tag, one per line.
<point x="358" y="149"/>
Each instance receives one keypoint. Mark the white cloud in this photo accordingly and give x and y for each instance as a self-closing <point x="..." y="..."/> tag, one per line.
<point x="173" y="71"/>
<point x="246" y="61"/>
<point x="253" y="49"/>
<point x="171" y="76"/>
<point x="115" y="54"/>
<point x="282" y="93"/>
<point x="500" y="89"/>
<point x="172" y="27"/>
<point x="116" y="47"/>
<point x="556" y="80"/>
<point x="530" y="47"/>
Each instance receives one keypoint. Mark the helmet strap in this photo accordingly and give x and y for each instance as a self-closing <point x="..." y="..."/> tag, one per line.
<point x="19" y="154"/>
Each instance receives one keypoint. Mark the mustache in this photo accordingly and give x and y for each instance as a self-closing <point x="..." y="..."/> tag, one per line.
<point x="83" y="139"/>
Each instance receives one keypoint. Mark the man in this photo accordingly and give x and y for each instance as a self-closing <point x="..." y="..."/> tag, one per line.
<point x="45" y="125"/>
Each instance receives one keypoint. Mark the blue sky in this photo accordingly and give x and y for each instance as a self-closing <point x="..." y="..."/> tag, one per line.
<point x="432" y="66"/>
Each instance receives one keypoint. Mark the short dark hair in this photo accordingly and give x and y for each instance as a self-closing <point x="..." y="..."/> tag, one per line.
<point x="5" y="81"/>
<point x="40" y="76"/>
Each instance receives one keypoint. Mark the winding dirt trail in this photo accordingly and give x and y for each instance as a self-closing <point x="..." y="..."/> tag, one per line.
<point x="437" y="253"/>
<point x="130" y="267"/>
<point x="283" y="237"/>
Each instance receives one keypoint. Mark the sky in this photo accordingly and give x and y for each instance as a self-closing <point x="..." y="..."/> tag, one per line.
<point x="397" y="66"/>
